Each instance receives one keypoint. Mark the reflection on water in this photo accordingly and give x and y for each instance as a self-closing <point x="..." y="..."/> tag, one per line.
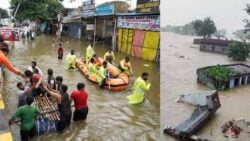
<point x="110" y="117"/>
<point x="178" y="75"/>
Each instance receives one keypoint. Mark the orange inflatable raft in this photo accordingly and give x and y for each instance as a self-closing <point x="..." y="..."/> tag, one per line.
<point x="117" y="82"/>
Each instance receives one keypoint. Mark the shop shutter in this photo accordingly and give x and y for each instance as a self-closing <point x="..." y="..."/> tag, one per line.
<point x="150" y="45"/>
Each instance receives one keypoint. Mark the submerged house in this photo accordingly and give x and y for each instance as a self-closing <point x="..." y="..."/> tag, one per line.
<point x="213" y="45"/>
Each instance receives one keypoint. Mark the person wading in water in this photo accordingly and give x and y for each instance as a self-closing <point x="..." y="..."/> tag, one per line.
<point x="60" y="51"/>
<point x="89" y="53"/>
<point x="80" y="98"/>
<point x="139" y="88"/>
<point x="51" y="80"/>
<point x="33" y="68"/>
<point x="71" y="60"/>
<point x="64" y="106"/>
<point x="27" y="114"/>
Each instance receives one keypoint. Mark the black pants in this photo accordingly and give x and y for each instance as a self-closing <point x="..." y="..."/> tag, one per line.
<point x="80" y="114"/>
<point x="60" y="56"/>
<point x="65" y="119"/>
<point x="103" y="83"/>
<point x="27" y="135"/>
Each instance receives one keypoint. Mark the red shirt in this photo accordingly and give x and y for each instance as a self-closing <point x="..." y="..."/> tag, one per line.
<point x="60" y="50"/>
<point x="36" y="77"/>
<point x="80" y="99"/>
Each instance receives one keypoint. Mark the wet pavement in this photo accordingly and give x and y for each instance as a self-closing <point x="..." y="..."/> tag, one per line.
<point x="180" y="59"/>
<point x="110" y="118"/>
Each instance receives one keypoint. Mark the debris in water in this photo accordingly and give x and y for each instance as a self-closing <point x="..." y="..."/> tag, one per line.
<point x="236" y="128"/>
<point x="179" y="56"/>
<point x="146" y="65"/>
<point x="207" y="103"/>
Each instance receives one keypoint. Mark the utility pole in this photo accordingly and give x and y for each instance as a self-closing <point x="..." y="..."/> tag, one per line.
<point x="17" y="9"/>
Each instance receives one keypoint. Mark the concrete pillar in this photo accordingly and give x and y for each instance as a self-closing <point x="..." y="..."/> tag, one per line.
<point x="240" y="81"/>
<point x="231" y="83"/>
<point x="245" y="81"/>
<point x="104" y="29"/>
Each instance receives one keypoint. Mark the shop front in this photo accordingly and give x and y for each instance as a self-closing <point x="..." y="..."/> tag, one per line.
<point x="139" y="35"/>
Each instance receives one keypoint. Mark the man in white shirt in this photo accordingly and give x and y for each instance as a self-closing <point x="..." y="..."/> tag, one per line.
<point x="33" y="67"/>
<point x="23" y="93"/>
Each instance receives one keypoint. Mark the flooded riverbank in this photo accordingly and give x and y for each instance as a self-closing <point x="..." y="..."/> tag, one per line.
<point x="110" y="117"/>
<point x="180" y="59"/>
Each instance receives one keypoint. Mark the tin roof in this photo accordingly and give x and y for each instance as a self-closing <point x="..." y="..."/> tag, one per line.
<point x="212" y="42"/>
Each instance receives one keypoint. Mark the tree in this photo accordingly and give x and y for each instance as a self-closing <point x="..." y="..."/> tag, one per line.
<point x="204" y="28"/>
<point x="36" y="9"/>
<point x="247" y="21"/>
<point x="198" y="25"/>
<point x="242" y="34"/>
<point x="239" y="51"/>
<point x="247" y="26"/>
<point x="3" y="13"/>
<point x="220" y="33"/>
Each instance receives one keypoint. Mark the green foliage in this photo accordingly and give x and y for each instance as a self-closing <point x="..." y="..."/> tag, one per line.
<point x="220" y="33"/>
<point x="204" y="28"/>
<point x="3" y="13"/>
<point x="241" y="34"/>
<point x="247" y="26"/>
<point x="239" y="51"/>
<point x="187" y="29"/>
<point x="198" y="25"/>
<point x="220" y="73"/>
<point x="33" y="9"/>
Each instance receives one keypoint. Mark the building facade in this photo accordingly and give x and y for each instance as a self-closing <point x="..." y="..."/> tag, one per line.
<point x="213" y="45"/>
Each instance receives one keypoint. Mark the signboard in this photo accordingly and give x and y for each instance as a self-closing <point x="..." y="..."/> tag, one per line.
<point x="148" y="6"/>
<point x="88" y="13"/>
<point x="104" y="10"/>
<point x="88" y="9"/>
<point x="9" y="34"/>
<point x="90" y="27"/>
<point x="145" y="22"/>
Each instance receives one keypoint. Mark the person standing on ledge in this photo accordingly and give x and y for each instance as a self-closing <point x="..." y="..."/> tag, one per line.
<point x="139" y="88"/>
<point x="71" y="60"/>
<point x="90" y="52"/>
<point x="4" y="52"/>
<point x="60" y="51"/>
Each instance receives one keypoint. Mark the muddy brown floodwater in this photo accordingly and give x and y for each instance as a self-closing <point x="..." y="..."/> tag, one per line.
<point x="178" y="76"/>
<point x="110" y="117"/>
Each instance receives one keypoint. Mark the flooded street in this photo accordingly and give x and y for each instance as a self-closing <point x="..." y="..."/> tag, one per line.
<point x="180" y="59"/>
<point x="110" y="118"/>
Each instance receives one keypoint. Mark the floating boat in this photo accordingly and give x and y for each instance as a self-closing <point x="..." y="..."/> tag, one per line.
<point x="240" y="77"/>
<point x="117" y="82"/>
<point x="206" y="105"/>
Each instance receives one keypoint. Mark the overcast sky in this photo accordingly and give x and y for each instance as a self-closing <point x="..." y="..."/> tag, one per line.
<point x="227" y="14"/>
<point x="67" y="3"/>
